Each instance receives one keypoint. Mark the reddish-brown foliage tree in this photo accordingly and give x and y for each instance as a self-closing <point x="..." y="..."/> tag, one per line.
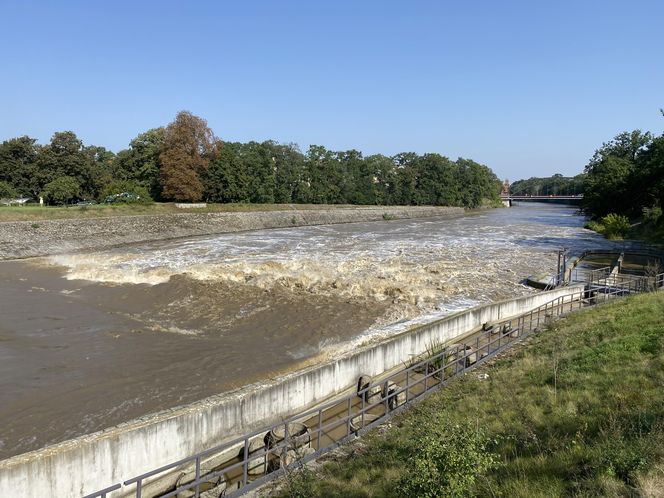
<point x="188" y="147"/>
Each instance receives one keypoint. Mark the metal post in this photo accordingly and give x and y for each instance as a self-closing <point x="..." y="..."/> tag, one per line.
<point x="407" y="386"/>
<point x="138" y="488"/>
<point x="363" y="396"/>
<point x="245" y="465"/>
<point x="320" y="427"/>
<point x="197" y="490"/>
<point x="348" y="420"/>
<point x="426" y="376"/>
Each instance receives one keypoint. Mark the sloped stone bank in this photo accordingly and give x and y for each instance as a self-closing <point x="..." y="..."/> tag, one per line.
<point x="24" y="239"/>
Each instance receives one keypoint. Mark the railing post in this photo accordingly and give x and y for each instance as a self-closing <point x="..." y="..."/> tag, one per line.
<point x="320" y="427"/>
<point x="197" y="490"/>
<point x="349" y="416"/>
<point x="139" y="485"/>
<point x="245" y="465"/>
<point x="426" y="376"/>
<point x="362" y="397"/>
<point x="407" y="386"/>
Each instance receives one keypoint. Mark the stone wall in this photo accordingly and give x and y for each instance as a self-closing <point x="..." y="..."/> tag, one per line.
<point x="24" y="239"/>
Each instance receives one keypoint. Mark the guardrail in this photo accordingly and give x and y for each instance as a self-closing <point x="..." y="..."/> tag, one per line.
<point x="237" y="466"/>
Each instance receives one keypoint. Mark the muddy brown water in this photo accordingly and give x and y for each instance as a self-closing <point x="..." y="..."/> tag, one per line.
<point x="94" y="339"/>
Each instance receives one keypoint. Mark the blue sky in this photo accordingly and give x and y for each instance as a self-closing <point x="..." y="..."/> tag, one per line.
<point x="528" y="88"/>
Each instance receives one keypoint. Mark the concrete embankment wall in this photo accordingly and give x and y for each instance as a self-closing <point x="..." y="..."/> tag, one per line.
<point x="89" y="463"/>
<point x="23" y="239"/>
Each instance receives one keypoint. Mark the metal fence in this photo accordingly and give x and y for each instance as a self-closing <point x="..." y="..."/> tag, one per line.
<point x="235" y="467"/>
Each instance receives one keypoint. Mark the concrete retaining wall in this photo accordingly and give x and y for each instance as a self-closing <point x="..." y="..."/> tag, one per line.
<point x="89" y="463"/>
<point x="24" y="239"/>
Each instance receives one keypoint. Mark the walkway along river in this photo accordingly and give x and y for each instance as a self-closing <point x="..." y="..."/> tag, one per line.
<point x="94" y="339"/>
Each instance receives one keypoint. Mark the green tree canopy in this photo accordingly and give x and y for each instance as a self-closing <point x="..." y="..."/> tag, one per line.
<point x="7" y="191"/>
<point x="61" y="190"/>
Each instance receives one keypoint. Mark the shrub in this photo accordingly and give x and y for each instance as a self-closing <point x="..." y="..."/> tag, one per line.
<point x="446" y="460"/>
<point x="615" y="226"/>
<point x="652" y="215"/>
<point x="595" y="226"/>
<point x="137" y="194"/>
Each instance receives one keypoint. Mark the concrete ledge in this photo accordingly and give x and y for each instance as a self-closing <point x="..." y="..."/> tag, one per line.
<point x="89" y="463"/>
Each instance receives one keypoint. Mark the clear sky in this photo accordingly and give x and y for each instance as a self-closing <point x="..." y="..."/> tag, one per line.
<point x="528" y="88"/>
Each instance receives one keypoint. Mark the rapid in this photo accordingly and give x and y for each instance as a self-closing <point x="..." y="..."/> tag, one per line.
<point x="93" y="339"/>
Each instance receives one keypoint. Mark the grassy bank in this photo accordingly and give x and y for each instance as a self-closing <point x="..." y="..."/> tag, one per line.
<point x="34" y="212"/>
<point x="577" y="410"/>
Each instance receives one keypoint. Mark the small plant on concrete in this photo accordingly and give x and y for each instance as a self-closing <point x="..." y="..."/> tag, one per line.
<point x="446" y="460"/>
<point x="35" y="226"/>
<point x="388" y="216"/>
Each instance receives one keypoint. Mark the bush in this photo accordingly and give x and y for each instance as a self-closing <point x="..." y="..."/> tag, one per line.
<point x="136" y="194"/>
<point x="446" y="460"/>
<point x="616" y="226"/>
<point x="652" y="215"/>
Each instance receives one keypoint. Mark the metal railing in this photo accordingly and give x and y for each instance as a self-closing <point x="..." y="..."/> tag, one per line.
<point x="237" y="466"/>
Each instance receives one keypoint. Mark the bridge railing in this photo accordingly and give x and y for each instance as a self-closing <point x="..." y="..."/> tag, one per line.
<point x="242" y="464"/>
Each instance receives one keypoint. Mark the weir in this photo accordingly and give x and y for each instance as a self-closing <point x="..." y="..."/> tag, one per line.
<point x="87" y="464"/>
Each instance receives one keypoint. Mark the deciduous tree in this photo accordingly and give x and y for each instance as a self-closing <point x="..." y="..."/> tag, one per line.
<point x="188" y="147"/>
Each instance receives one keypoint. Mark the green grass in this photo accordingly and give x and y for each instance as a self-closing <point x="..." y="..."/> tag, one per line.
<point x="578" y="410"/>
<point x="35" y="212"/>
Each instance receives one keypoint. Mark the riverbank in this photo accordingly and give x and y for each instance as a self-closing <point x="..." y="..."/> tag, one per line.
<point x="577" y="410"/>
<point x="24" y="239"/>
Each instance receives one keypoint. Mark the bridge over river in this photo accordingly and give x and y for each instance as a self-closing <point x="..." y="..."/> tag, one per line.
<point x="510" y="199"/>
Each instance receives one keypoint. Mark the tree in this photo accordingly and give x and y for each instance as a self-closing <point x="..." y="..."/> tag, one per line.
<point x="65" y="156"/>
<point x="18" y="164"/>
<point x="61" y="190"/>
<point x="226" y="178"/>
<point x="140" y="162"/>
<point x="609" y="173"/>
<point x="7" y="191"/>
<point x="188" y="147"/>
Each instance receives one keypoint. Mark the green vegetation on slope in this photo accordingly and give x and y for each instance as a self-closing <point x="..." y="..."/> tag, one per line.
<point x="578" y="410"/>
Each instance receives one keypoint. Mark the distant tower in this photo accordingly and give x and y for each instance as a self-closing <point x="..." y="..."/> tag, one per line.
<point x="506" y="188"/>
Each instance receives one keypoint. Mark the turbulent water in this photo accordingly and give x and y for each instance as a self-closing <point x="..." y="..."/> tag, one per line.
<point x="89" y="340"/>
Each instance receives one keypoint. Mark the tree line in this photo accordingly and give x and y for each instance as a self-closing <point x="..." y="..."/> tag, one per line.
<point x="185" y="161"/>
<point x="624" y="186"/>
<point x="625" y="176"/>
<point x="551" y="185"/>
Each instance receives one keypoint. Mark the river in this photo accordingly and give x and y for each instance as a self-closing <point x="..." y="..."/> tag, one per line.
<point x="93" y="339"/>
